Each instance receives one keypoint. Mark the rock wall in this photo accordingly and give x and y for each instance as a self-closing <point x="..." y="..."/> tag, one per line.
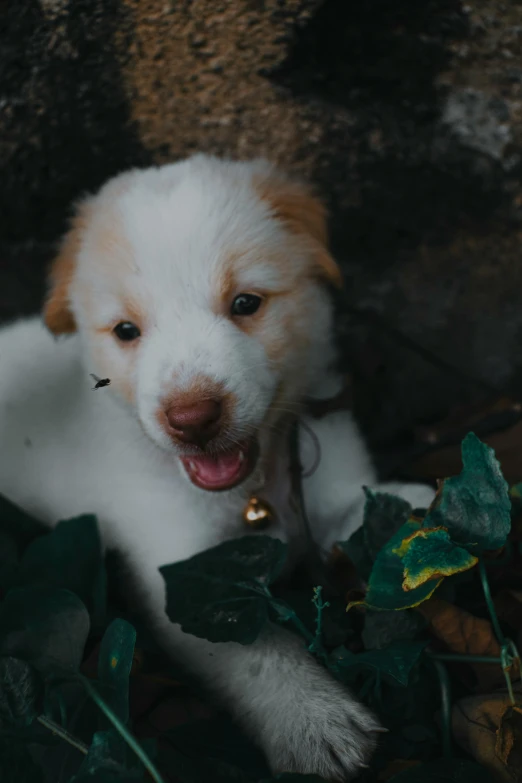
<point x="406" y="114"/>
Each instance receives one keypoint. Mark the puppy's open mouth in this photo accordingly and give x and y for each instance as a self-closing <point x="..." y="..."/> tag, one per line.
<point x="223" y="470"/>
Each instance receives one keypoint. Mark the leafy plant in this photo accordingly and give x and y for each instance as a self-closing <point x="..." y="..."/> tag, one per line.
<point x="84" y="697"/>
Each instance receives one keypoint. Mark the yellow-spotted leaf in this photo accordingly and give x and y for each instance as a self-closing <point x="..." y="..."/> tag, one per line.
<point x="429" y="554"/>
<point x="385" y="585"/>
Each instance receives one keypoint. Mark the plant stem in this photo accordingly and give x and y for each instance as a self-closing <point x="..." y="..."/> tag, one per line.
<point x="63" y="734"/>
<point x="491" y="606"/>
<point x="508" y="651"/>
<point x="122" y="730"/>
<point x="445" y="690"/>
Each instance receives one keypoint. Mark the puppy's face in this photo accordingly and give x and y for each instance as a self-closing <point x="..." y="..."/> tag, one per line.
<point x="199" y="290"/>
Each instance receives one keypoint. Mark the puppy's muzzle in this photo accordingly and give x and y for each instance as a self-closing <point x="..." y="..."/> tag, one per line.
<point x="195" y="424"/>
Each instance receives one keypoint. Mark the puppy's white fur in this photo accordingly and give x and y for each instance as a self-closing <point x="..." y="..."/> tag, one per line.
<point x="163" y="246"/>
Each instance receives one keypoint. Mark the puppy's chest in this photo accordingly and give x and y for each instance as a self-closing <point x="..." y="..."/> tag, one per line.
<point x="270" y="508"/>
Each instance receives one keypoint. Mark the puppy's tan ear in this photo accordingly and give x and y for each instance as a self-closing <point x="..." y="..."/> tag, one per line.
<point x="57" y="313"/>
<point x="294" y="204"/>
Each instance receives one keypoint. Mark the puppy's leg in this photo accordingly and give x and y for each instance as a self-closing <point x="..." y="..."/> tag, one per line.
<point x="301" y="717"/>
<point x="303" y="720"/>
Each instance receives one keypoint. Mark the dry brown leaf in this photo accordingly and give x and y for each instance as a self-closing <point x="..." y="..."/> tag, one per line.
<point x="508" y="746"/>
<point x="447" y="461"/>
<point x="475" y="723"/>
<point x="466" y="634"/>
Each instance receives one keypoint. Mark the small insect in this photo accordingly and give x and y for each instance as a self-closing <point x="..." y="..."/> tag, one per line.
<point x="100" y="382"/>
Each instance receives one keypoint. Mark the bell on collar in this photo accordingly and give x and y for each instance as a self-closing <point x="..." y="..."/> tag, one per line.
<point x="258" y="514"/>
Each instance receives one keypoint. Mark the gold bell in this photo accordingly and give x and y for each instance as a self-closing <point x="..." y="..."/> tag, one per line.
<point x="258" y="514"/>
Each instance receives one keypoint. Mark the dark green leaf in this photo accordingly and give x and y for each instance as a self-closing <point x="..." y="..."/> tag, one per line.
<point x="21" y="689"/>
<point x="394" y="663"/>
<point x="430" y="554"/>
<point x="45" y="626"/>
<point x="474" y="506"/>
<point x="383" y="515"/>
<point x="385" y="588"/>
<point x="383" y="628"/>
<point x="222" y="594"/>
<point x="355" y="548"/>
<point x="444" y="771"/>
<point x="70" y="556"/>
<point x="8" y="561"/>
<point x="16" y="763"/>
<point x="114" y="666"/>
<point x="18" y="524"/>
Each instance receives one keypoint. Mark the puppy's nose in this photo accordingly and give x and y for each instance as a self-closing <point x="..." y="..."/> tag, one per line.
<point x="195" y="423"/>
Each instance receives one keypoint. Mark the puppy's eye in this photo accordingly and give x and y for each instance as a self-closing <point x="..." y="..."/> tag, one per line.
<point x="245" y="304"/>
<point x="126" y="331"/>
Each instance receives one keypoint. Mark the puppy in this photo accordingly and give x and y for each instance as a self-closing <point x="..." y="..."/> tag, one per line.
<point x="201" y="290"/>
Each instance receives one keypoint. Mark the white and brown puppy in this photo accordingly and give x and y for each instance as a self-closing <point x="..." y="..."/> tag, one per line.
<point x="201" y="290"/>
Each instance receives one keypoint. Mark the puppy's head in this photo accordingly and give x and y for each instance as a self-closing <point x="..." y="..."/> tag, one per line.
<point x="200" y="290"/>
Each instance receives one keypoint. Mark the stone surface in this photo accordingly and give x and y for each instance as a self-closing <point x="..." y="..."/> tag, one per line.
<point x="407" y="115"/>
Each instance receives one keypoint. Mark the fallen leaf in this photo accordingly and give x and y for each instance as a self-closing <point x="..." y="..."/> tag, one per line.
<point x="508" y="747"/>
<point x="475" y="723"/>
<point x="466" y="634"/>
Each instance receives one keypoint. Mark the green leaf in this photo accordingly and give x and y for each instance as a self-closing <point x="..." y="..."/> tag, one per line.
<point x="8" y="561"/>
<point x="385" y="590"/>
<point x="394" y="662"/>
<point x="45" y="626"/>
<point x="222" y="594"/>
<point x="430" y="554"/>
<point x="355" y="548"/>
<point x="475" y="506"/>
<point x="115" y="664"/>
<point x="381" y="629"/>
<point x="444" y="771"/>
<point x="16" y="763"/>
<point x="18" y="524"/>
<point x="70" y="556"/>
<point x="384" y="514"/>
<point x="21" y="689"/>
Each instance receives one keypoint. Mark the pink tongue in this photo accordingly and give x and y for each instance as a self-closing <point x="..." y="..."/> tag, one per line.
<point x="217" y="470"/>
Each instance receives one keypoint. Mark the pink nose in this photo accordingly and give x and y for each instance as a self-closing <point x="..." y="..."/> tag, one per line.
<point x="196" y="423"/>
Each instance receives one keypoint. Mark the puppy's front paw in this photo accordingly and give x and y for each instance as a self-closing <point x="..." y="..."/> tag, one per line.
<point x="324" y="732"/>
